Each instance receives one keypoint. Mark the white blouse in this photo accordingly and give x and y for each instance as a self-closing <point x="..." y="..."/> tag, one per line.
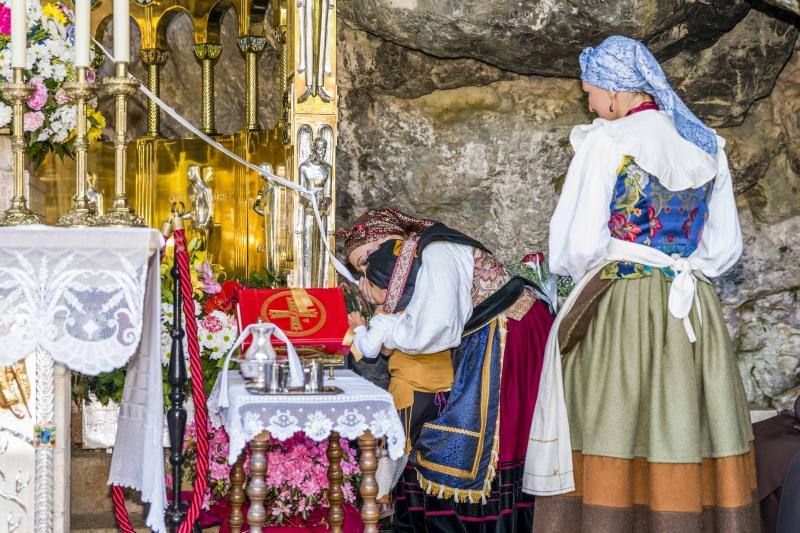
<point x="435" y="317"/>
<point x="579" y="234"/>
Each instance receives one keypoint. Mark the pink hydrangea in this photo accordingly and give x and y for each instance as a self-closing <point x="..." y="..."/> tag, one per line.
<point x="5" y="20"/>
<point x="219" y="470"/>
<point x="39" y="98"/>
<point x="32" y="120"/>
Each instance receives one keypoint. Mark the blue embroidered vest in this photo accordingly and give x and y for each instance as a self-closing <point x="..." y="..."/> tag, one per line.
<point x="645" y="212"/>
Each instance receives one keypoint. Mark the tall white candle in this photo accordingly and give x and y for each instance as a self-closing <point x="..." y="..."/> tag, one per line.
<point x="19" y="33"/>
<point x="122" y="38"/>
<point x="82" y="23"/>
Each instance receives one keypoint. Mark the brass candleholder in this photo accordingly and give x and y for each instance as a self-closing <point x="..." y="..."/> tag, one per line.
<point x="122" y="87"/>
<point x="18" y="92"/>
<point x="81" y="213"/>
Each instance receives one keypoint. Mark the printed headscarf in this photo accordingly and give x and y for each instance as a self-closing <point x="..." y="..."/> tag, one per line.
<point x="623" y="64"/>
<point x="378" y="223"/>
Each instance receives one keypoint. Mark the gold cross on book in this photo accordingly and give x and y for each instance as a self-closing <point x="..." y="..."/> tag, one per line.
<point x="293" y="314"/>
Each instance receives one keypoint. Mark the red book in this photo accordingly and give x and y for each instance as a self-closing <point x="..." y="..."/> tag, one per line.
<point x="315" y="320"/>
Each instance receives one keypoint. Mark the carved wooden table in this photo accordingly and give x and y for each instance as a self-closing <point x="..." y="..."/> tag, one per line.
<point x="362" y="411"/>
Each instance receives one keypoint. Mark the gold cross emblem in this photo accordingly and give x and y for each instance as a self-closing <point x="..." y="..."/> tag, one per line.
<point x="294" y="314"/>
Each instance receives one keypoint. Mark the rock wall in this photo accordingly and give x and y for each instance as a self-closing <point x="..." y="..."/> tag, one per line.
<point x="460" y="110"/>
<point x="446" y="112"/>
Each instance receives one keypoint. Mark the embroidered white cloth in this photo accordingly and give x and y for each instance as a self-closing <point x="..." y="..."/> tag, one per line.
<point x="361" y="407"/>
<point x="75" y="293"/>
<point x="90" y="297"/>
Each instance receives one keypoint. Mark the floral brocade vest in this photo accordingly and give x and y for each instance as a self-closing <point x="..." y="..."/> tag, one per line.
<point x="645" y="212"/>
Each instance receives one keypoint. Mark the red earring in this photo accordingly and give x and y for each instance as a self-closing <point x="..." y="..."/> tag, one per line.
<point x="611" y="108"/>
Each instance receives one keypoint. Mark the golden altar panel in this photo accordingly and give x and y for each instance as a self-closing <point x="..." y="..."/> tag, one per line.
<point x="248" y="223"/>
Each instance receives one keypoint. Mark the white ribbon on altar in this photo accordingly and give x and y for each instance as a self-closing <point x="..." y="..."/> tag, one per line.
<point x="306" y="193"/>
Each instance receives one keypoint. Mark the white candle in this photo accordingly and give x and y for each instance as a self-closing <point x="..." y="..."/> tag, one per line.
<point x="82" y="23"/>
<point x="19" y="33"/>
<point x="122" y="38"/>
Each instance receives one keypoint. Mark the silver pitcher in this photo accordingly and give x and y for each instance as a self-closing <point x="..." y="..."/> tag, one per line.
<point x="258" y="357"/>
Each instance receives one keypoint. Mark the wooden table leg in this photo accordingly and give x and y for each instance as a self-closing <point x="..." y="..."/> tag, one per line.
<point x="236" y="519"/>
<point x="369" y="487"/>
<point x="257" y="486"/>
<point x="335" y="476"/>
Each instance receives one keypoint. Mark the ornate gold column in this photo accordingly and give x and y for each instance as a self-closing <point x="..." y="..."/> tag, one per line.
<point x="251" y="47"/>
<point x="154" y="59"/>
<point x="207" y="54"/>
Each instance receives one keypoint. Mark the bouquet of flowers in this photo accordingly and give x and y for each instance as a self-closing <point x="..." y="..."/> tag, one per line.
<point x="217" y="327"/>
<point x="297" y="479"/>
<point x="219" y="481"/>
<point x="534" y="267"/>
<point x="50" y="115"/>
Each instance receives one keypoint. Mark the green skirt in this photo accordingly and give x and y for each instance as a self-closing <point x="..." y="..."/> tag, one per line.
<point x="661" y="433"/>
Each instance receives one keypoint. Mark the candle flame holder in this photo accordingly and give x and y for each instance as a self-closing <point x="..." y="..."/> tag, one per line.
<point x="122" y="86"/>
<point x="82" y="212"/>
<point x="18" y="92"/>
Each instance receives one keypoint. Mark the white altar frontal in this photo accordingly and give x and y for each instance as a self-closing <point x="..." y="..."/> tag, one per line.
<point x="70" y="298"/>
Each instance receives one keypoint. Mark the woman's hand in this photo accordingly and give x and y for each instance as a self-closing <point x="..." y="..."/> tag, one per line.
<point x="355" y="320"/>
<point x="366" y="290"/>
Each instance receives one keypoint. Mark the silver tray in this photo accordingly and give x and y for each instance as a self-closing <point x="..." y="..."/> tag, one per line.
<point x="330" y="390"/>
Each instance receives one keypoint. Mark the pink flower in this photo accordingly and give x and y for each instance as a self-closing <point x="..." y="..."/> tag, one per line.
<point x="208" y="278"/>
<point x="537" y="258"/>
<point x="655" y="222"/>
<point x="39" y="98"/>
<point x="62" y="98"/>
<point x="33" y="120"/>
<point x="219" y="470"/>
<point x="5" y="20"/>
<point x="211" y="323"/>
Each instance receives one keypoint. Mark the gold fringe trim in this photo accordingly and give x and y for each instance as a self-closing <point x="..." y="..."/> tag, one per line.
<point x="443" y="492"/>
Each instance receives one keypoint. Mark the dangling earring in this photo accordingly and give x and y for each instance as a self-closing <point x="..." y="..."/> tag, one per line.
<point x="611" y="108"/>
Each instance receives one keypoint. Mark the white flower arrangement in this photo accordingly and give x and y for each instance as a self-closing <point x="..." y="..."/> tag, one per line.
<point x="50" y="115"/>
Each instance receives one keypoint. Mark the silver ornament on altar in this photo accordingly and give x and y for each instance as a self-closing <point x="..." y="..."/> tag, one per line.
<point x="316" y="175"/>
<point x="265" y="373"/>
<point x="259" y="360"/>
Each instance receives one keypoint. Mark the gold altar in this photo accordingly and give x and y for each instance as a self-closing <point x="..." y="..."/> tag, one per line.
<point x="247" y="222"/>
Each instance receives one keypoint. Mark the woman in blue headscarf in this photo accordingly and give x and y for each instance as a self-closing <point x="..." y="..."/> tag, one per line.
<point x="641" y="423"/>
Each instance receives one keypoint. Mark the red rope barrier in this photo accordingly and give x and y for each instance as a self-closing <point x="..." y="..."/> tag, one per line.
<point x="198" y="398"/>
<point x="120" y="512"/>
<point x="198" y="392"/>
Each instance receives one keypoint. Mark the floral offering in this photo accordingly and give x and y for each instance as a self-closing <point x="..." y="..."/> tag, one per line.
<point x="50" y="115"/>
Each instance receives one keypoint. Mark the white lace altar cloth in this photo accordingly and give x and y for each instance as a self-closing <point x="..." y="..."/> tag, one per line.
<point x="360" y="407"/>
<point x="90" y="297"/>
<point x="75" y="293"/>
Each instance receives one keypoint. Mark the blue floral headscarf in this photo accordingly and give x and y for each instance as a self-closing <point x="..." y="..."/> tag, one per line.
<point x="623" y="64"/>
